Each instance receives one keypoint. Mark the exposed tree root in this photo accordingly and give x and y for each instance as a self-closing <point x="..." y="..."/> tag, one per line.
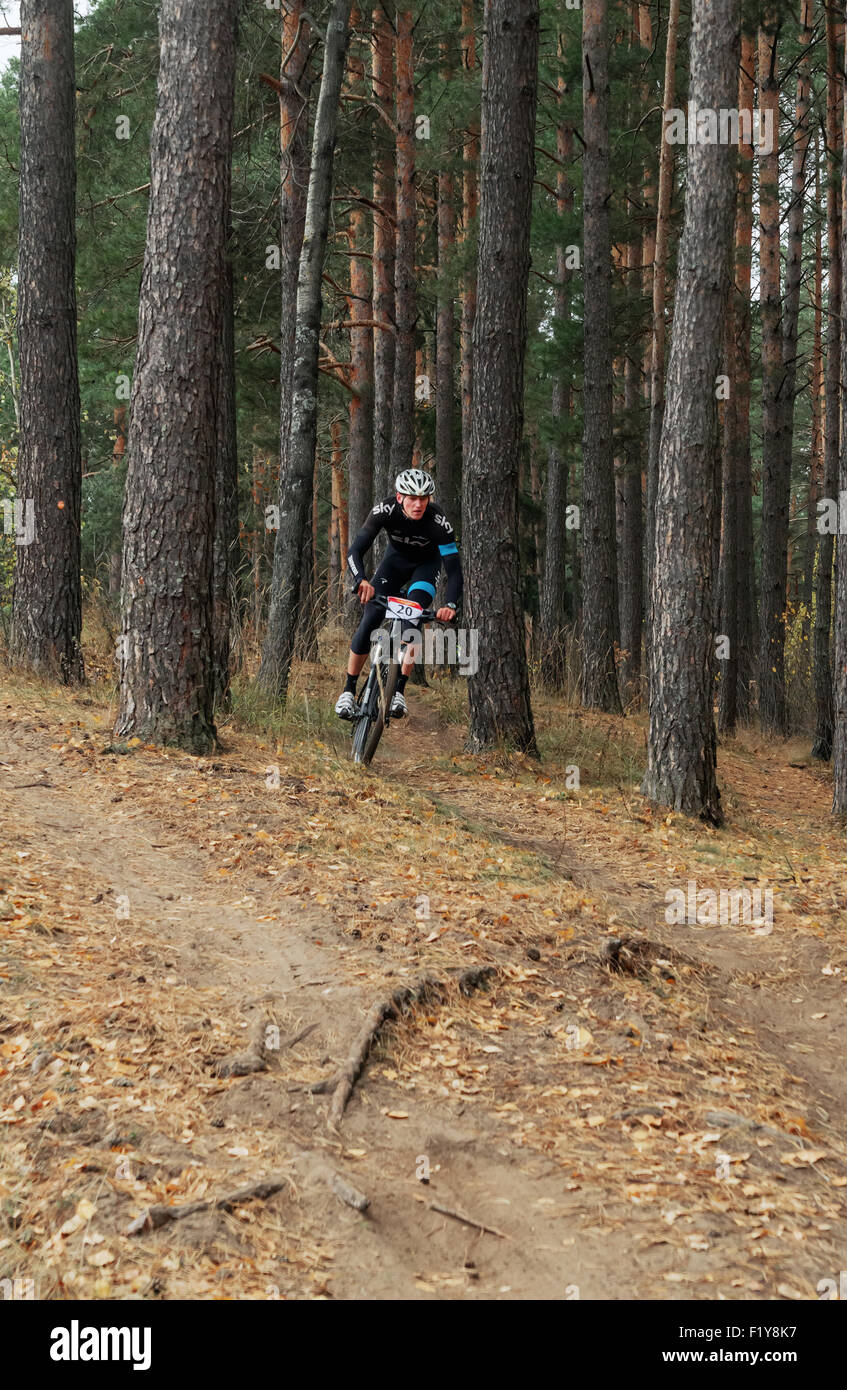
<point x="399" y="1003"/>
<point x="255" y="1058"/>
<point x="156" y="1216"/>
<point x="349" y="1194"/>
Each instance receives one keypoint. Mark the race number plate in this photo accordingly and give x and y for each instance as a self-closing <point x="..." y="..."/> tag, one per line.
<point x="403" y="608"/>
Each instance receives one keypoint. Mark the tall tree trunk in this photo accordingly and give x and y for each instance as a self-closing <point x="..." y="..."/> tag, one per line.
<point x="681" y="754"/>
<point x="295" y="86"/>
<point x="385" y="197"/>
<point x="816" y="390"/>
<point x="660" y="260"/>
<point x="499" y="690"/>
<point x="445" y="328"/>
<point x="774" y="656"/>
<point x="47" y="601"/>
<point x="360" y="455"/>
<point x="745" y="567"/>
<point x="226" y="487"/>
<point x="167" y="657"/>
<point x="295" y="89"/>
<point x="728" y="581"/>
<point x="297" y="467"/>
<point x="599" y="561"/>
<point x="554" y="583"/>
<point x="630" y="596"/>
<point x="118" y="456"/>
<point x="775" y="485"/>
<point x="470" y="208"/>
<point x="337" y="525"/>
<point x="737" y="577"/>
<point x="631" y="538"/>
<point x="823" y="675"/>
<point x="839" y="693"/>
<point x="360" y="442"/>
<point x="405" y="309"/>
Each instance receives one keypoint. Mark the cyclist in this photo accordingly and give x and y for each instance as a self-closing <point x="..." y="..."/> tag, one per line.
<point x="420" y="538"/>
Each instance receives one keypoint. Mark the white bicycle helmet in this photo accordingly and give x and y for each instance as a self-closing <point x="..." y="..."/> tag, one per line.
<point x="413" y="482"/>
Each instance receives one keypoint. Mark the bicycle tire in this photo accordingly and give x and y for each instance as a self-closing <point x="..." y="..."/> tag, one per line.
<point x="360" y="737"/>
<point x="386" y="686"/>
<point x="363" y="723"/>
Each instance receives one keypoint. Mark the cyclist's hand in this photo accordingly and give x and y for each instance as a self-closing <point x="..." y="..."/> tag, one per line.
<point x="446" y="615"/>
<point x="366" y="591"/>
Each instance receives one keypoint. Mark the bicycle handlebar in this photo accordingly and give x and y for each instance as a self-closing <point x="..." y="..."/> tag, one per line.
<point x="428" y="615"/>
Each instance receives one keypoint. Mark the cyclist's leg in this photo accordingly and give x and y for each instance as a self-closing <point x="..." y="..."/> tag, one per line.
<point x="391" y="576"/>
<point x="421" y="589"/>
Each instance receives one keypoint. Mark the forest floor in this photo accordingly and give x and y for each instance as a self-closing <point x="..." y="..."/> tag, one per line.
<point x="634" y="1110"/>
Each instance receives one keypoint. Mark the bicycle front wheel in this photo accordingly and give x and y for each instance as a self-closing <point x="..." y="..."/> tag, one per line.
<point x="385" y="691"/>
<point x="360" y="738"/>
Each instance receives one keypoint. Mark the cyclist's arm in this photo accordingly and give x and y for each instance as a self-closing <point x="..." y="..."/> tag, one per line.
<point x="453" y="570"/>
<point x="361" y="544"/>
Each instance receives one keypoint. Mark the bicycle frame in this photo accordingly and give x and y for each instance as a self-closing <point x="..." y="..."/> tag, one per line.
<point x="373" y="711"/>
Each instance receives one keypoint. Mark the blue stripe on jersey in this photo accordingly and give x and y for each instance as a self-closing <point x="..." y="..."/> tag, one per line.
<point x="448" y="550"/>
<point x="422" y="584"/>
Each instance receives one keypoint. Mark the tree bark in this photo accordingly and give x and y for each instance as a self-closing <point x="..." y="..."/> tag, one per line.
<point x="445" y="328"/>
<point x="776" y="486"/>
<point x="775" y="513"/>
<point x="470" y="210"/>
<point x="167" y="657"/>
<point x="295" y="81"/>
<point x="385" y="197"/>
<point x="554" y="582"/>
<point x="823" y="674"/>
<point x="499" y="690"/>
<point x="660" y="259"/>
<point x="737" y="574"/>
<point x="297" y="469"/>
<point x="599" y="560"/>
<point x="47" y="601"/>
<point x="361" y="419"/>
<point x="816" y="392"/>
<point x="405" y="308"/>
<point x="630" y="595"/>
<point x="839" y="693"/>
<point x="681" y="749"/>
<point x="226" y="488"/>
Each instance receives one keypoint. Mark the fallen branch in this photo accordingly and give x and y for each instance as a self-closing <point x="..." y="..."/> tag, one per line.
<point x="466" y="1220"/>
<point x="398" y="1003"/>
<point x="154" y="1217"/>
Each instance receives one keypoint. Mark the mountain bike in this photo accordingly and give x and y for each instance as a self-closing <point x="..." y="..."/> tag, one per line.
<point x="373" y="710"/>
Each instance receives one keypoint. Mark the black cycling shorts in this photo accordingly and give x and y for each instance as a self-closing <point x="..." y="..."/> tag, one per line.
<point x="395" y="574"/>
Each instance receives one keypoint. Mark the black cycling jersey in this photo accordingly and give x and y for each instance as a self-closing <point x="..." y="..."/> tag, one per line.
<point x="431" y="539"/>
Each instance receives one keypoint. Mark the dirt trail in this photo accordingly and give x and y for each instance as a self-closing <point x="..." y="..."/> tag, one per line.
<point x="789" y="985"/>
<point x="591" y="1203"/>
